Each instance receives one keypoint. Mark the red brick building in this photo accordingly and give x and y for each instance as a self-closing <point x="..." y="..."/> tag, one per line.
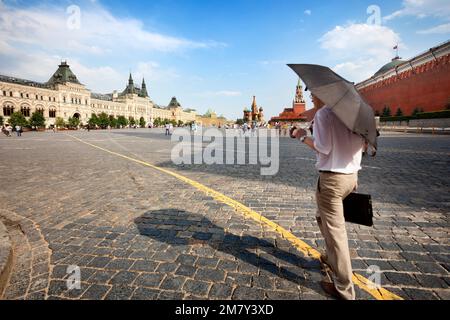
<point x="294" y="114"/>
<point x="422" y="82"/>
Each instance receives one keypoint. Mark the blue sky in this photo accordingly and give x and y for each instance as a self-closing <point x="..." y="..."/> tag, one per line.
<point x="210" y="53"/>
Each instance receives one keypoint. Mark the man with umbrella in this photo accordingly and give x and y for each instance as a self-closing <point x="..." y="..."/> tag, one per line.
<point x="342" y="125"/>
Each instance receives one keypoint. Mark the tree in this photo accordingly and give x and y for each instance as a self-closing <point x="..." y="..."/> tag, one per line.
<point x="122" y="121"/>
<point x="103" y="120"/>
<point x="415" y="112"/>
<point x="399" y="113"/>
<point x="37" y="120"/>
<point x="132" y="121"/>
<point x="240" y="122"/>
<point x="112" y="121"/>
<point x="386" y="112"/>
<point x="93" y="121"/>
<point x="60" y="123"/>
<point x="1" y="120"/>
<point x="180" y="123"/>
<point x="17" y="118"/>
<point x="74" y="122"/>
<point x="142" y="122"/>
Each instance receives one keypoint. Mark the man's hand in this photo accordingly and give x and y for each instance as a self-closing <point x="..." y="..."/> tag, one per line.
<point x="297" y="133"/>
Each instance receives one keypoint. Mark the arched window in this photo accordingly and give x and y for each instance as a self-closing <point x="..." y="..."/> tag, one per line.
<point x="40" y="110"/>
<point x="8" y="109"/>
<point x="25" y="111"/>
<point x="52" y="113"/>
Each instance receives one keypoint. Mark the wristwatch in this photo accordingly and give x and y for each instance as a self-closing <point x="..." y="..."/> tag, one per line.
<point x="302" y="139"/>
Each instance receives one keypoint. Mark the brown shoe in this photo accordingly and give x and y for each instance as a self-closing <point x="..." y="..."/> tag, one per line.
<point x="330" y="289"/>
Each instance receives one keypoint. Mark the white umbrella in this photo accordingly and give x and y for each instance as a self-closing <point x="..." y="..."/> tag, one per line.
<point x="342" y="97"/>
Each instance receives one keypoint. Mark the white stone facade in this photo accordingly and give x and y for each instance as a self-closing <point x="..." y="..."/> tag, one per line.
<point x="66" y="99"/>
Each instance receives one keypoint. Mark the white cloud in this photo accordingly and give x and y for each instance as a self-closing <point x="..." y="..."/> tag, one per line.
<point x="223" y="93"/>
<point x="152" y="71"/>
<point x="99" y="31"/>
<point x="34" y="40"/>
<point x="441" y="29"/>
<point x="361" y="49"/>
<point x="422" y="9"/>
<point x="308" y="12"/>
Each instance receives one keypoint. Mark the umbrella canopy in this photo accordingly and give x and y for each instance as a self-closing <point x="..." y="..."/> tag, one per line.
<point x="342" y="97"/>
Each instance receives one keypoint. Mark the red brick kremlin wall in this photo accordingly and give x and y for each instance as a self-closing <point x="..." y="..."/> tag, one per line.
<point x="427" y="87"/>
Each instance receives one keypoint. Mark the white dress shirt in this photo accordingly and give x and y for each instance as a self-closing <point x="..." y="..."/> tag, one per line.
<point x="338" y="149"/>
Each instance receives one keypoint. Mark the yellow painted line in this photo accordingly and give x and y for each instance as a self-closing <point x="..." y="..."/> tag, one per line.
<point x="307" y="250"/>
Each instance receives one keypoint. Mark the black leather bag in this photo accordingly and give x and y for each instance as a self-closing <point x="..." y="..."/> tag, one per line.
<point x="358" y="209"/>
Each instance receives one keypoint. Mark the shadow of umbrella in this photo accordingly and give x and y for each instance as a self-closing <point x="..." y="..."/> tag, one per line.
<point x="168" y="225"/>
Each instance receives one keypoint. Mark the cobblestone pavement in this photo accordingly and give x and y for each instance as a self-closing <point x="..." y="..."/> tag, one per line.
<point x="137" y="233"/>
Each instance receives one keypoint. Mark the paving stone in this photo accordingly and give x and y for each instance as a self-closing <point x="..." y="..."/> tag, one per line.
<point x="281" y="295"/>
<point x="166" y="267"/>
<point x="144" y="265"/>
<point x="95" y="292"/>
<point x="429" y="281"/>
<point x="195" y="287"/>
<point x="145" y="294"/>
<point x="120" y="292"/>
<point x="401" y="278"/>
<point x="427" y="267"/>
<point x="173" y="283"/>
<point x="418" y="294"/>
<point x="149" y="280"/>
<point x="120" y="264"/>
<point x="123" y="277"/>
<point x="213" y="275"/>
<point x="220" y="291"/>
<point x="187" y="271"/>
<point x="245" y="293"/>
<point x="99" y="262"/>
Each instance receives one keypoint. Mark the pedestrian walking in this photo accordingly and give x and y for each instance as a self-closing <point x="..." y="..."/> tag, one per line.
<point x="18" y="130"/>
<point x="167" y="129"/>
<point x="343" y="126"/>
<point x="9" y="130"/>
<point x="339" y="154"/>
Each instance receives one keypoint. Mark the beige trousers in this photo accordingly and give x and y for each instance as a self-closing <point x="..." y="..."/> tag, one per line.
<point x="331" y="190"/>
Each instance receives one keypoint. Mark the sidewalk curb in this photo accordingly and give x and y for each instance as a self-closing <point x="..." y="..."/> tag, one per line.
<point x="6" y="256"/>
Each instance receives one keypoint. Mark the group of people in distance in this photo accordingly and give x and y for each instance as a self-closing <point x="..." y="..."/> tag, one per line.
<point x="7" y="130"/>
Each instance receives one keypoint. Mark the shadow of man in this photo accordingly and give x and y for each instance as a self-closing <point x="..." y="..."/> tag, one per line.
<point x="181" y="228"/>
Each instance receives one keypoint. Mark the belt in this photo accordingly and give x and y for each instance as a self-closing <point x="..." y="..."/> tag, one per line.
<point x="346" y="174"/>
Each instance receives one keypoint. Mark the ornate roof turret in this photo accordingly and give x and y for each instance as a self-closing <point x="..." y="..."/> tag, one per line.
<point x="174" y="103"/>
<point x="130" y="89"/>
<point x="254" y="106"/>
<point x="63" y="75"/>
<point x="143" y="92"/>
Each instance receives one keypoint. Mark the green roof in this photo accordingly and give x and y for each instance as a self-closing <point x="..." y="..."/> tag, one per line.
<point x="174" y="103"/>
<point x="388" y="66"/>
<point x="63" y="75"/>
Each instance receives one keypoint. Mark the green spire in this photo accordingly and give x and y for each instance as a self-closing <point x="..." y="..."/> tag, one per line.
<point x="144" y="92"/>
<point x="130" y="87"/>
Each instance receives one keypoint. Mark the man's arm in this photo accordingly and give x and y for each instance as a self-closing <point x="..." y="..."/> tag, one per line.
<point x="301" y="133"/>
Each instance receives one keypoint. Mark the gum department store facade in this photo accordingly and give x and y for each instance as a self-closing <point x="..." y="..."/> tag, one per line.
<point x="64" y="96"/>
